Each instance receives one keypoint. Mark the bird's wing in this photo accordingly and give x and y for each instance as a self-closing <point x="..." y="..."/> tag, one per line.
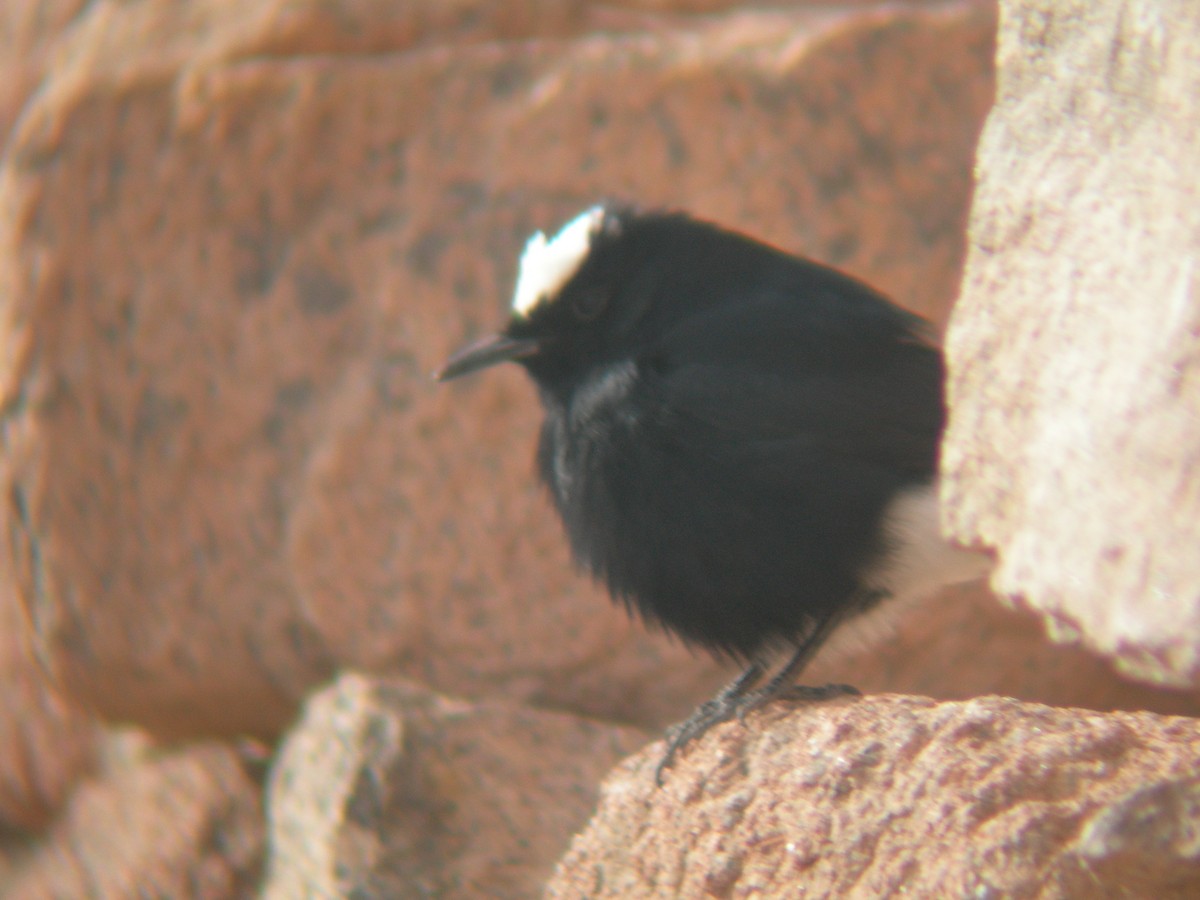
<point x="775" y="385"/>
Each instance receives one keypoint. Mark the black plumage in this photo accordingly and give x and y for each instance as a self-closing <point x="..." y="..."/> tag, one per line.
<point x="727" y="429"/>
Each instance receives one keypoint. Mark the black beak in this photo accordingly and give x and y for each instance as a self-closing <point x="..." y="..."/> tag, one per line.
<point x="487" y="352"/>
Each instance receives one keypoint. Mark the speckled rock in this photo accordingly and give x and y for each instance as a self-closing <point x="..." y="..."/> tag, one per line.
<point x="236" y="238"/>
<point x="384" y="789"/>
<point x="46" y="743"/>
<point x="893" y="796"/>
<point x="185" y="824"/>
<point x="1075" y="351"/>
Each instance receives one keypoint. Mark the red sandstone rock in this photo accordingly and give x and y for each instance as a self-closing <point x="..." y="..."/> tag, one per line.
<point x="181" y="824"/>
<point x="237" y="237"/>
<point x="29" y="30"/>
<point x="892" y="796"/>
<point x="46" y="744"/>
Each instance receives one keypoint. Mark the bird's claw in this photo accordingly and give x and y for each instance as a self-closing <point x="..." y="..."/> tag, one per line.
<point x="725" y="707"/>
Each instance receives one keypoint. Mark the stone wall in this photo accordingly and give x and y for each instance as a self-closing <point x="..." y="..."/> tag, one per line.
<point x="236" y="238"/>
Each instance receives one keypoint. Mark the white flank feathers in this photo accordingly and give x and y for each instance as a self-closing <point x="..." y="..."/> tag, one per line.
<point x="922" y="560"/>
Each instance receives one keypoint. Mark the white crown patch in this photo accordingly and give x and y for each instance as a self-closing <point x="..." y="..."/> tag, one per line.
<point x="547" y="265"/>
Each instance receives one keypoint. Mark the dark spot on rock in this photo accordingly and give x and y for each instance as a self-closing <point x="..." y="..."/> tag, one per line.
<point x="468" y="194"/>
<point x="319" y="293"/>
<point x="842" y="247"/>
<point x="290" y="399"/>
<point x="834" y="184"/>
<point x="509" y="77"/>
<point x="464" y="286"/>
<point x="677" y="151"/>
<point x="294" y="395"/>
<point x="426" y="252"/>
<point x="260" y="256"/>
<point x="772" y="97"/>
<point x="156" y="412"/>
<point x="273" y="427"/>
<point x="394" y="377"/>
<point x="366" y="803"/>
<point x="26" y="547"/>
<point x="388" y="220"/>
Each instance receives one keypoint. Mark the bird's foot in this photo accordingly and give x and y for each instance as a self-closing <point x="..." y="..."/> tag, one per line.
<point x="729" y="704"/>
<point x="708" y="714"/>
<point x="800" y="693"/>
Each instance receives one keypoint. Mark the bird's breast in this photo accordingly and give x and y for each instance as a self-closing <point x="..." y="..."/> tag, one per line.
<point x="587" y="432"/>
<point x="582" y="425"/>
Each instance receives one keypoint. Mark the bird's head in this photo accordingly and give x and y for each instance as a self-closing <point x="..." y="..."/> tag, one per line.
<point x="565" y="303"/>
<point x="604" y="288"/>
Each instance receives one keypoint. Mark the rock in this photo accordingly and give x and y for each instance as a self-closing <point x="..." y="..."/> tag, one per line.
<point x="238" y="238"/>
<point x="184" y="823"/>
<point x="46" y="744"/>
<point x="385" y="789"/>
<point x="28" y="30"/>
<point x="891" y="796"/>
<point x="1075" y="350"/>
<point x="962" y="644"/>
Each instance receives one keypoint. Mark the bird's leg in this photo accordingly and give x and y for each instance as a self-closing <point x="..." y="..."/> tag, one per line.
<point x="720" y="708"/>
<point x="740" y="697"/>
<point x="781" y="685"/>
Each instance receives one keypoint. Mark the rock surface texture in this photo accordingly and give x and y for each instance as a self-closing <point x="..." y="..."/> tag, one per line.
<point x="236" y="239"/>
<point x="236" y="236"/>
<point x="897" y="796"/>
<point x="386" y="790"/>
<point x="1075" y="351"/>
<point x="46" y="744"/>
<point x="185" y="823"/>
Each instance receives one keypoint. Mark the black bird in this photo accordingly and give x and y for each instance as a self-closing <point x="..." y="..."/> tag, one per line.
<point x="741" y="443"/>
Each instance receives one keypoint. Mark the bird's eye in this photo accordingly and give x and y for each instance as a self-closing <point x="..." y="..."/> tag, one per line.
<point x="589" y="303"/>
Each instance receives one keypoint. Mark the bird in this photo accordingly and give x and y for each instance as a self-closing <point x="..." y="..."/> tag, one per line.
<point x="741" y="443"/>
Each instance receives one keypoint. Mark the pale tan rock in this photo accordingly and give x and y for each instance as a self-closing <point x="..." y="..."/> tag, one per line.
<point x="237" y="238"/>
<point x="28" y="33"/>
<point x="963" y="643"/>
<point x="894" y="796"/>
<point x="1075" y="351"/>
<point x="182" y="824"/>
<point x="385" y="789"/>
